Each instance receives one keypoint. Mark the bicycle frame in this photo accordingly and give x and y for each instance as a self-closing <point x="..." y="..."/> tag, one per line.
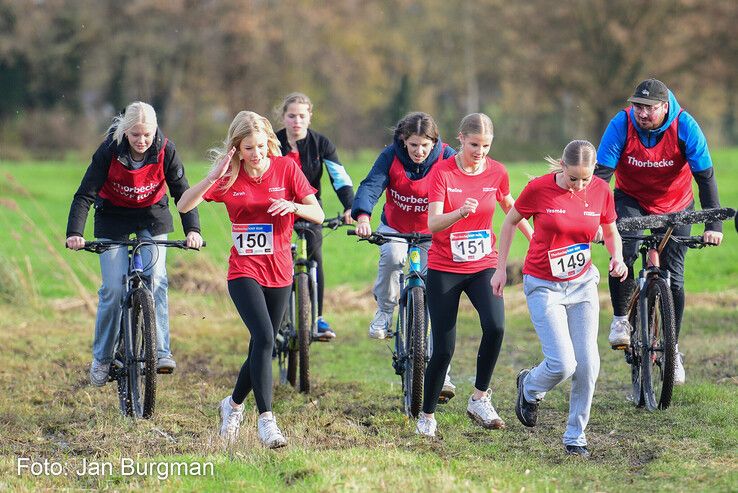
<point x="412" y="279"/>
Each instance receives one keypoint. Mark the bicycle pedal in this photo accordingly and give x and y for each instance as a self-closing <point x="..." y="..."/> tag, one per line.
<point x="165" y="371"/>
<point x="322" y="338"/>
<point x="620" y="347"/>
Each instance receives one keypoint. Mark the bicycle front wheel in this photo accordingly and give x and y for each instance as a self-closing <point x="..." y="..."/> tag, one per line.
<point x="142" y="364"/>
<point x="303" y="329"/>
<point x="659" y="351"/>
<point x="415" y="341"/>
<point x="633" y="354"/>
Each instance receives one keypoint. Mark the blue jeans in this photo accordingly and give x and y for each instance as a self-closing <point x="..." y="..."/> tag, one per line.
<point x="114" y="267"/>
<point x="566" y="316"/>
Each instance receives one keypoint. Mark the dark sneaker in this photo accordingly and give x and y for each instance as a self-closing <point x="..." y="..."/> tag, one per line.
<point x="166" y="365"/>
<point x="579" y="450"/>
<point x="99" y="373"/>
<point x="323" y="331"/>
<point x="527" y="412"/>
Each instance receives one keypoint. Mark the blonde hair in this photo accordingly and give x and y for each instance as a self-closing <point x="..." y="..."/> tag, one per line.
<point x="245" y="124"/>
<point x="293" y="98"/>
<point x="576" y="153"/>
<point x="136" y="112"/>
<point x="476" y="124"/>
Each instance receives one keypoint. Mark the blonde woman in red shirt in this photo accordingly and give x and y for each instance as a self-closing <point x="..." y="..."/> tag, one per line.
<point x="263" y="192"/>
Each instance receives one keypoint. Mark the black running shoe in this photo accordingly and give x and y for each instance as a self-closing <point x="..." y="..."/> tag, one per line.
<point x="527" y="412"/>
<point x="579" y="450"/>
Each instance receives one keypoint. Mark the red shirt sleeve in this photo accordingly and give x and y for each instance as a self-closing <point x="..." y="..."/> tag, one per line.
<point x="437" y="186"/>
<point x="216" y="192"/>
<point x="525" y="203"/>
<point x="608" y="214"/>
<point x="504" y="189"/>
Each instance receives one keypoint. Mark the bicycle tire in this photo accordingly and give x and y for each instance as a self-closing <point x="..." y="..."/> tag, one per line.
<point x="674" y="219"/>
<point x="304" y="329"/>
<point x="633" y="355"/>
<point x="659" y="352"/>
<point x="290" y="344"/>
<point x="121" y="377"/>
<point x="142" y="371"/>
<point x="416" y="370"/>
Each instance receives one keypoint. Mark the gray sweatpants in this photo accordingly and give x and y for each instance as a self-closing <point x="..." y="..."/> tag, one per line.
<point x="566" y="316"/>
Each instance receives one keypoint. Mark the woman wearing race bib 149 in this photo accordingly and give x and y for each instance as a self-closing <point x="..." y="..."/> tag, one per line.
<point x="262" y="192"/>
<point x="462" y="196"/>
<point x="560" y="282"/>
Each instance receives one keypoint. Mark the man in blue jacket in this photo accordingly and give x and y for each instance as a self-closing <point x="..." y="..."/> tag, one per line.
<point x="655" y="149"/>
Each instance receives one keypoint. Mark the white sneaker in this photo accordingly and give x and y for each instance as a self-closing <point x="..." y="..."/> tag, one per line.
<point x="380" y="324"/>
<point x="679" y="376"/>
<point x="483" y="413"/>
<point x="426" y="425"/>
<point x="269" y="433"/>
<point x="230" y="419"/>
<point x="619" y="337"/>
<point x="99" y="373"/>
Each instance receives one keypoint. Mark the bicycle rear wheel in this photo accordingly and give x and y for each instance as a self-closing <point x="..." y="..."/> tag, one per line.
<point x="304" y="328"/>
<point x="659" y="351"/>
<point x="142" y="362"/>
<point x="287" y="348"/>
<point x="415" y="345"/>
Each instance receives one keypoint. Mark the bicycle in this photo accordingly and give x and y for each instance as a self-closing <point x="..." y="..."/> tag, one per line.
<point x="299" y="326"/>
<point x="651" y="353"/>
<point x="412" y="347"/>
<point x="134" y="364"/>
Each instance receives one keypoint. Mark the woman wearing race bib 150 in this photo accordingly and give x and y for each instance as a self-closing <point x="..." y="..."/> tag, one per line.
<point x="462" y="195"/>
<point x="402" y="172"/>
<point x="560" y="282"/>
<point x="262" y="192"/>
<point x="127" y="181"/>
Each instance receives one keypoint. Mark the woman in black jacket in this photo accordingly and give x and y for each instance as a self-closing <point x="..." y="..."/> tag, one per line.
<point x="127" y="181"/>
<point x="311" y="151"/>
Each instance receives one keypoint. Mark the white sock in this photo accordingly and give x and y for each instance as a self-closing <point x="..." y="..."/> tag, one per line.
<point x="618" y="318"/>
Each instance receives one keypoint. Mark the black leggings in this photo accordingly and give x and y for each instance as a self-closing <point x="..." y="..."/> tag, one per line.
<point x="261" y="309"/>
<point x="315" y="252"/>
<point x="444" y="292"/>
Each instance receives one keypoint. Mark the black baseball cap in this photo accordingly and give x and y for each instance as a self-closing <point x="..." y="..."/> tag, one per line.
<point x="650" y="92"/>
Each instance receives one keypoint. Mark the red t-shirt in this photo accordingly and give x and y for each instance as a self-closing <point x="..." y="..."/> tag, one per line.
<point x="467" y="246"/>
<point x="564" y="224"/>
<point x="261" y="242"/>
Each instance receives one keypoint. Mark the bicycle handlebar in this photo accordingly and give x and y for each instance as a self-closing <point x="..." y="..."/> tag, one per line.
<point x="101" y="246"/>
<point x="382" y="238"/>
<point x="674" y="219"/>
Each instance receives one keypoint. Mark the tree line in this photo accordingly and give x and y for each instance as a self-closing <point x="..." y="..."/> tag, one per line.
<point x="544" y="71"/>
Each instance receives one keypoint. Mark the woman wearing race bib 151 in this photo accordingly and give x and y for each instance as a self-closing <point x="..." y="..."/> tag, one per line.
<point x="127" y="182"/>
<point x="262" y="192"/>
<point x="462" y="196"/>
<point x="560" y="282"/>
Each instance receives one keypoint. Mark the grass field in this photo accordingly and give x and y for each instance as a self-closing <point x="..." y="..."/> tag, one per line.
<point x="349" y="434"/>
